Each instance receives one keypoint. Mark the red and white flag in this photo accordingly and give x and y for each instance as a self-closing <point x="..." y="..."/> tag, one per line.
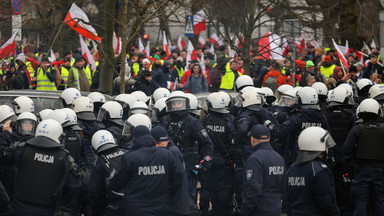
<point x="365" y="46"/>
<point x="73" y="19"/>
<point x="165" y="44"/>
<point x="116" y="44"/>
<point x="269" y="47"/>
<point x="344" y="49"/>
<point x="9" y="47"/>
<point x="284" y="46"/>
<point x="147" y="50"/>
<point x="340" y="54"/>
<point x="231" y="54"/>
<point x="315" y="44"/>
<point x="237" y="42"/>
<point x="215" y="40"/>
<point x="142" y="49"/>
<point x="301" y="42"/>
<point x="86" y="54"/>
<point x="180" y="43"/>
<point x="53" y="57"/>
<point x="201" y="41"/>
<point x="191" y="55"/>
<point x="199" y="22"/>
<point x="212" y="49"/>
<point x="373" y="44"/>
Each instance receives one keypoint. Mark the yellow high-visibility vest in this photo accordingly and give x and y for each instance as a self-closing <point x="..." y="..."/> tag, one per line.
<point x="228" y="79"/>
<point x="43" y="83"/>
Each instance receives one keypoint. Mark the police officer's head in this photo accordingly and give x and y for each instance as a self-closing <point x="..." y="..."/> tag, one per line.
<point x="363" y="86"/>
<point x="313" y="141"/>
<point x="83" y="108"/>
<point x="321" y="89"/>
<point x="308" y="97"/>
<point x="252" y="101"/>
<point x="177" y="104"/>
<point x="161" y="136"/>
<point x="268" y="95"/>
<point x="243" y="81"/>
<point x="259" y="134"/>
<point x="23" y="104"/>
<point x="48" y="134"/>
<point x="376" y="92"/>
<point x="103" y="140"/>
<point x="139" y="107"/>
<point x="368" y="109"/>
<point x="98" y="100"/>
<point x="134" y="121"/>
<point x="193" y="105"/>
<point x="26" y="123"/>
<point x="68" y="96"/>
<point x="111" y="111"/>
<point x="288" y="98"/>
<point x="216" y="102"/>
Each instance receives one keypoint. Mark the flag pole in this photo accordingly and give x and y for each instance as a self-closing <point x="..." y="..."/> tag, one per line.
<point x="349" y="79"/>
<point x="57" y="34"/>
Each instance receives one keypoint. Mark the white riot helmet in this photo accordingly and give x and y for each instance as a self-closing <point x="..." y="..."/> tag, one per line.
<point x="160" y="93"/>
<point x="288" y="98"/>
<point x="368" y="107"/>
<point x="72" y="119"/>
<point x="42" y="115"/>
<point x="23" y="104"/>
<point x="297" y="88"/>
<point x="111" y="111"/>
<point x="83" y="108"/>
<point x="134" y="121"/>
<point x="217" y="103"/>
<point x="308" y="97"/>
<point x="282" y="89"/>
<point x="7" y="113"/>
<point x="321" y="88"/>
<point x="350" y="92"/>
<point x="268" y="94"/>
<point x="376" y="92"/>
<point x="338" y="96"/>
<point x="60" y="116"/>
<point x="312" y="142"/>
<point x="177" y="101"/>
<point x="26" y="123"/>
<point x="97" y="97"/>
<point x="243" y="81"/>
<point x="69" y="95"/>
<point x="103" y="140"/>
<point x="252" y="101"/>
<point x="48" y="134"/>
<point x="159" y="108"/>
<point x="141" y="96"/>
<point x="363" y="83"/>
<point x="126" y="100"/>
<point x="139" y="107"/>
<point x="227" y="99"/>
<point x="193" y="104"/>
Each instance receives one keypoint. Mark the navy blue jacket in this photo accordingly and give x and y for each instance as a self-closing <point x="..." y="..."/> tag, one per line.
<point x="147" y="175"/>
<point x="179" y="199"/>
<point x="310" y="189"/>
<point x="89" y="128"/>
<point x="161" y="76"/>
<point x="263" y="182"/>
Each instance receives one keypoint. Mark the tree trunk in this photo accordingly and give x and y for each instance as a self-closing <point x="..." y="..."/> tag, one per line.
<point x="106" y="74"/>
<point x="123" y="25"/>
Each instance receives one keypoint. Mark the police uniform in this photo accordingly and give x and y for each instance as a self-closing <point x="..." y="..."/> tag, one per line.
<point x="363" y="150"/>
<point x="34" y="189"/>
<point x="146" y="175"/>
<point x="300" y="119"/>
<point x="216" y="183"/>
<point x="185" y="130"/>
<point x="106" y="162"/>
<point x="116" y="130"/>
<point x="72" y="143"/>
<point x="310" y="190"/>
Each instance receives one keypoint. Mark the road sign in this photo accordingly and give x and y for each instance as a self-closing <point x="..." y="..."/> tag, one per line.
<point x="16" y="26"/>
<point x="189" y="26"/>
<point x="16" y="6"/>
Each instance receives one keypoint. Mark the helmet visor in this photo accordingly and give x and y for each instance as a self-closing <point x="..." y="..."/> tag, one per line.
<point x="26" y="126"/>
<point x="176" y="104"/>
<point x="127" y="129"/>
<point x="286" y="101"/>
<point x="102" y="115"/>
<point x="138" y="111"/>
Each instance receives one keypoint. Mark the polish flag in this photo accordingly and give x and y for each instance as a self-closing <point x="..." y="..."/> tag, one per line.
<point x="215" y="40"/>
<point x="231" y="54"/>
<point x="142" y="49"/>
<point x="212" y="49"/>
<point x="53" y="56"/>
<point x="365" y="46"/>
<point x="191" y="55"/>
<point x="73" y="19"/>
<point x="87" y="55"/>
<point x="180" y="43"/>
<point x="358" y="54"/>
<point x="315" y="44"/>
<point x="201" y="41"/>
<point x="199" y="22"/>
<point x="147" y="50"/>
<point x="9" y="47"/>
<point x="301" y="43"/>
<point x="340" y="54"/>
<point x="373" y="44"/>
<point x="284" y="46"/>
<point x="344" y="49"/>
<point x="269" y="47"/>
<point x="116" y="43"/>
<point x="165" y="44"/>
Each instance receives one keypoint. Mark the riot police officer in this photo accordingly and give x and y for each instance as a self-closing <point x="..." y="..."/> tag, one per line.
<point x="109" y="155"/>
<point x="110" y="115"/>
<point x="155" y="175"/>
<point x="190" y="136"/>
<point x="322" y="92"/>
<point x="363" y="86"/>
<point x="35" y="191"/>
<point x="363" y="153"/>
<point x="308" y="114"/>
<point x="309" y="186"/>
<point x="216" y="183"/>
<point x="159" y="113"/>
<point x="98" y="100"/>
<point x="264" y="173"/>
<point x="126" y="101"/>
<point x="130" y="124"/>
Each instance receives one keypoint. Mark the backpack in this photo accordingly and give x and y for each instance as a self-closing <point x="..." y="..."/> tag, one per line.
<point x="271" y="82"/>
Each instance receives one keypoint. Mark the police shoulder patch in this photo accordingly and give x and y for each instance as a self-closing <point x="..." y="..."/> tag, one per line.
<point x="324" y="166"/>
<point x="249" y="174"/>
<point x="204" y="133"/>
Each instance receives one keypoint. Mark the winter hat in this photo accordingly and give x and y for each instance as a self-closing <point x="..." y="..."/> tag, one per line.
<point x="160" y="134"/>
<point x="157" y="57"/>
<point x="327" y="58"/>
<point x="309" y="64"/>
<point x="166" y="63"/>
